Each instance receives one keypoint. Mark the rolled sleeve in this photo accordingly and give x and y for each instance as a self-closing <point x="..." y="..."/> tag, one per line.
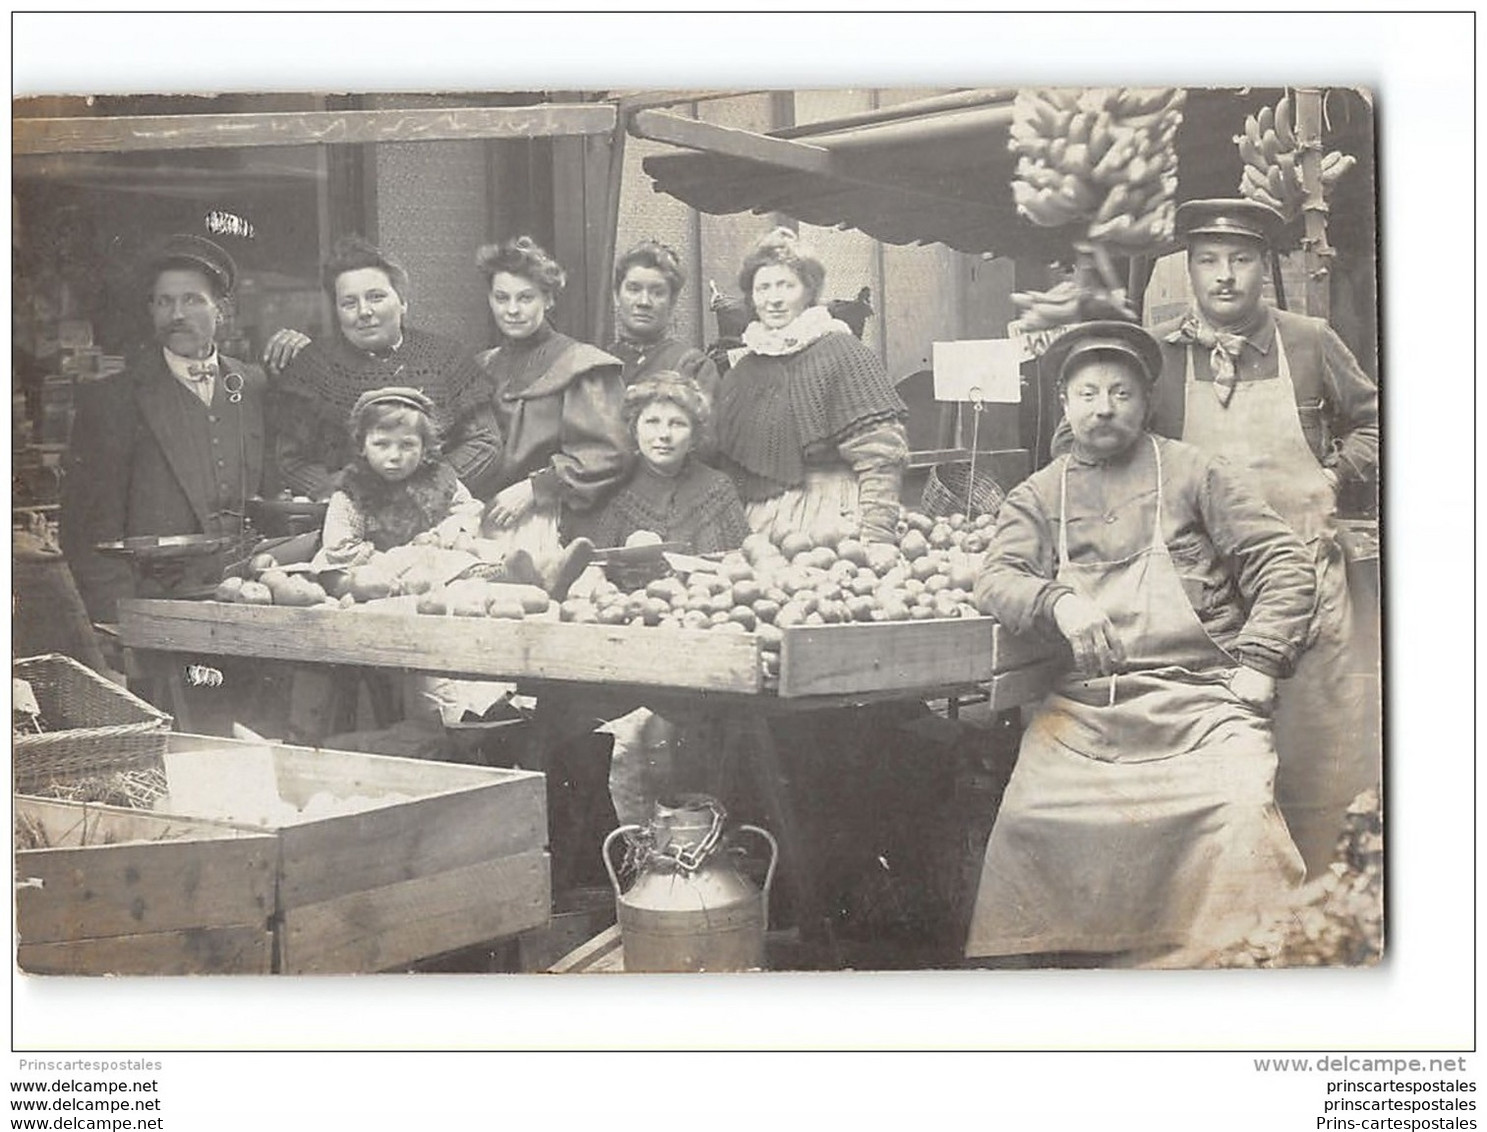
<point x="1016" y="584"/>
<point x="877" y="457"/>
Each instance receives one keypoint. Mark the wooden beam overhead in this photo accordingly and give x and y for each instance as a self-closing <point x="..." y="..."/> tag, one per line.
<point x="321" y="127"/>
<point x="692" y="134"/>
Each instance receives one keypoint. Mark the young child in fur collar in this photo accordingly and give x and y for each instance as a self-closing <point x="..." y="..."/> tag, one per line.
<point x="398" y="490"/>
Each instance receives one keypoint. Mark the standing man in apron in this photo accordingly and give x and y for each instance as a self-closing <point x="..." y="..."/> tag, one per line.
<point x="1284" y="401"/>
<point x="1140" y="817"/>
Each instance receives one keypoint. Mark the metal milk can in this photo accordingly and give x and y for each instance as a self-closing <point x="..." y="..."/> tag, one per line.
<point x="690" y="908"/>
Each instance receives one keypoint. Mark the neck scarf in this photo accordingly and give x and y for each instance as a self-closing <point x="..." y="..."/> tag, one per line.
<point x="811" y="324"/>
<point x="1224" y="347"/>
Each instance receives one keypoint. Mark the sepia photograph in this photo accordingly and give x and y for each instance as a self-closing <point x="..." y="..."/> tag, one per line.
<point x="697" y="530"/>
<point x="866" y="538"/>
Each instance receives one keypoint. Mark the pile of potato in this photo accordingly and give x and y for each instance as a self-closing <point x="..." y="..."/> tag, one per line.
<point x="764" y="588"/>
<point x="419" y="572"/>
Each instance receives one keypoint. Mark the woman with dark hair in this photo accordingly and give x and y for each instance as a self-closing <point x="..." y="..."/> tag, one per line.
<point x="809" y="424"/>
<point x="648" y="280"/>
<point x="374" y="348"/>
<point x="671" y="492"/>
<point x="557" y="402"/>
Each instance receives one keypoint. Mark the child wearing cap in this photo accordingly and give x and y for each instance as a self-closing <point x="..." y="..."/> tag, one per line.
<point x="398" y="489"/>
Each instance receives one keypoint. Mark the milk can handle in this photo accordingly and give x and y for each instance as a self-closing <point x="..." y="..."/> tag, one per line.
<point x="609" y="865"/>
<point x="774" y="859"/>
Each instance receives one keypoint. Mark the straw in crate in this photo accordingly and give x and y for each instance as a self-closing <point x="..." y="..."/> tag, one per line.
<point x="89" y="725"/>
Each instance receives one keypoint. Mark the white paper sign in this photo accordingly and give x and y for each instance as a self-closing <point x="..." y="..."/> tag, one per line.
<point x="979" y="369"/>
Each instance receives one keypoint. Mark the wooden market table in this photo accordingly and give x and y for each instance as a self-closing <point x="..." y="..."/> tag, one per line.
<point x="716" y="677"/>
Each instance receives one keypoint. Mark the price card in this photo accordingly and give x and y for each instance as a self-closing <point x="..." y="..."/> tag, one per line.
<point x="978" y="369"/>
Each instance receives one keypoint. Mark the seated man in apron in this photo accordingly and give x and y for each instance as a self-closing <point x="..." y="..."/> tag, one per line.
<point x="1280" y="397"/>
<point x="1141" y="815"/>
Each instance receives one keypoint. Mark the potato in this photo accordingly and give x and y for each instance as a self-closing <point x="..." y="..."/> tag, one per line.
<point x="255" y="593"/>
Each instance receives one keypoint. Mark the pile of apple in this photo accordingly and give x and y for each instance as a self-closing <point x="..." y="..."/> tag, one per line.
<point x="764" y="588"/>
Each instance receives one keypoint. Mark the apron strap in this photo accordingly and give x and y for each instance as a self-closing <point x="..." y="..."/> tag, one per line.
<point x="1063" y="513"/>
<point x="1282" y="364"/>
<point x="1158" y="539"/>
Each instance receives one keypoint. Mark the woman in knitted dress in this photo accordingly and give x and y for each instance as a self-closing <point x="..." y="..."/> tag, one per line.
<point x="809" y="424"/>
<point x="557" y="403"/>
<point x="311" y="401"/>
<point x="671" y="492"/>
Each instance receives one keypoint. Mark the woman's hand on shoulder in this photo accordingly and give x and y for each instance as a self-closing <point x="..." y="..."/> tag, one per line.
<point x="282" y="348"/>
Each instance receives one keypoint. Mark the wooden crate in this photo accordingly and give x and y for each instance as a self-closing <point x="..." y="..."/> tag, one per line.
<point x="128" y="892"/>
<point x="470" y="646"/>
<point x="435" y="857"/>
<point x="886" y="656"/>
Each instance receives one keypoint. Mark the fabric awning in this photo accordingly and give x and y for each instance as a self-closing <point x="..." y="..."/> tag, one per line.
<point x="940" y="171"/>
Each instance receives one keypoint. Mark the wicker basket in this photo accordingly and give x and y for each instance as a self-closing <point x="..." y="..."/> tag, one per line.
<point x="94" y="725"/>
<point x="945" y="491"/>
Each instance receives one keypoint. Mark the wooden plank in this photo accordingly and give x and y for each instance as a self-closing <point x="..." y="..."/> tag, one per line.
<point x="691" y="133"/>
<point x="866" y="657"/>
<point x="605" y="952"/>
<point x="305" y="771"/>
<point x="208" y="879"/>
<point x="1011" y="650"/>
<point x="321" y="127"/>
<point x="475" y="647"/>
<point x="234" y="950"/>
<point x="1023" y="685"/>
<point x="412" y="840"/>
<point x="415" y="818"/>
<point x="385" y="927"/>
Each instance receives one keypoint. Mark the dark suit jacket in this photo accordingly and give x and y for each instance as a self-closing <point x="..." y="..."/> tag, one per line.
<point x="140" y="462"/>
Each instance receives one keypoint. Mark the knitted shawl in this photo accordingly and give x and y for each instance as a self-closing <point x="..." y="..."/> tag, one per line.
<point x="327" y="377"/>
<point x="777" y="412"/>
<point x="393" y="513"/>
<point x="700" y="506"/>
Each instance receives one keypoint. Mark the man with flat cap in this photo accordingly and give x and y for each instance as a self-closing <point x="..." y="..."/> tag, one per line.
<point x="1140" y="818"/>
<point x="175" y="444"/>
<point x="1281" y="397"/>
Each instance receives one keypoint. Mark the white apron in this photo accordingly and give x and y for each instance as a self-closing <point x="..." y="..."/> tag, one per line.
<point x="827" y="502"/>
<point x="1326" y="719"/>
<point x="1140" y="814"/>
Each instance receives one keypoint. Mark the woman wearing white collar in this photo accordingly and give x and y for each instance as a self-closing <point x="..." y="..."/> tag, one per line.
<point x="809" y="424"/>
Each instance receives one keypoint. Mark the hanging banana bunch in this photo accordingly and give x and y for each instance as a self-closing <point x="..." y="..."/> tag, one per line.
<point x="1102" y="160"/>
<point x="1272" y="161"/>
